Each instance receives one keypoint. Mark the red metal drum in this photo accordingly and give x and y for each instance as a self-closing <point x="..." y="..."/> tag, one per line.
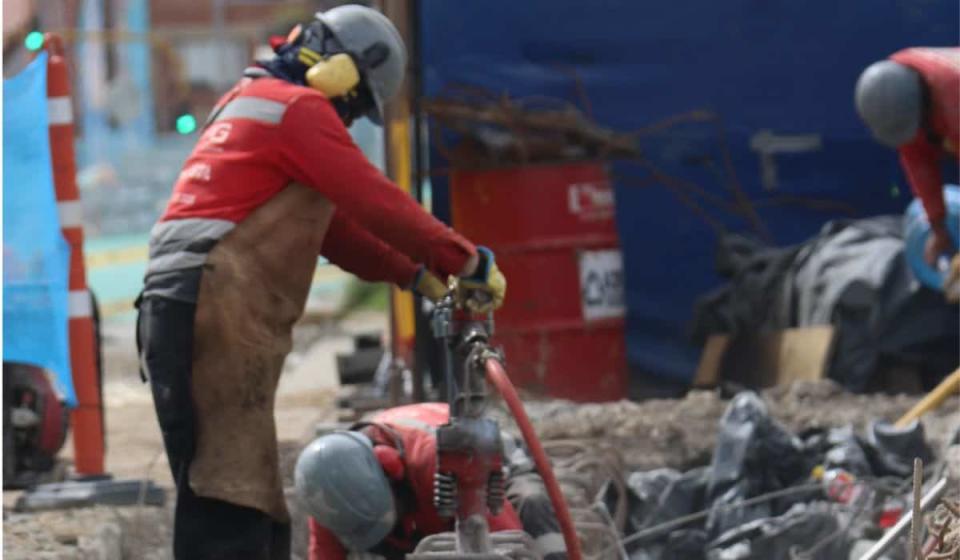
<point x="552" y="229"/>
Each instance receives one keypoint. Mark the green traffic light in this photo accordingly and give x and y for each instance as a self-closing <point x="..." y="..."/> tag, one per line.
<point x="33" y="41"/>
<point x="186" y="124"/>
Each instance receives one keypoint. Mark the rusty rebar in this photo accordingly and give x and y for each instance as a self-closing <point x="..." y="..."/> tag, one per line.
<point x="916" y="522"/>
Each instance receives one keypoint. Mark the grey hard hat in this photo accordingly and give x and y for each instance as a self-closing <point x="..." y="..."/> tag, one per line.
<point x="373" y="40"/>
<point x="339" y="482"/>
<point x="889" y="98"/>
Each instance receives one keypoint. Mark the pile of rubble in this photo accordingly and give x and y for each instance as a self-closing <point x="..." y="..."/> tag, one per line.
<point x="803" y="472"/>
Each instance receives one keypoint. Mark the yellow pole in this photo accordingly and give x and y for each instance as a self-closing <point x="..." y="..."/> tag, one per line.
<point x="934" y="398"/>
<point x="399" y="131"/>
<point x="399" y="157"/>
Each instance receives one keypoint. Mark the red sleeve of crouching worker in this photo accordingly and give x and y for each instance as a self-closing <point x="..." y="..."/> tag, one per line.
<point x="921" y="163"/>
<point x="359" y="252"/>
<point x="318" y="151"/>
<point x="323" y="545"/>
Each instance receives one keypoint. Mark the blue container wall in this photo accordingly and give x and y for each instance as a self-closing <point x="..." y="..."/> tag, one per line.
<point x="786" y="67"/>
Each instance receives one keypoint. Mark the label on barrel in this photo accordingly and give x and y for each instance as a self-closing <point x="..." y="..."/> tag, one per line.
<point x="601" y="284"/>
<point x="591" y="201"/>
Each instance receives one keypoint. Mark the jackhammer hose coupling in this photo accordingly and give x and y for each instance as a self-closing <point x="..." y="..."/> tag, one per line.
<point x="481" y="353"/>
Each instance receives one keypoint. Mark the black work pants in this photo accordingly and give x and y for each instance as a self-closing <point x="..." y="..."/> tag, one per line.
<point x="204" y="528"/>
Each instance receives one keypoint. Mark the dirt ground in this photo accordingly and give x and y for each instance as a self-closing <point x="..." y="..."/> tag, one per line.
<point x="135" y="451"/>
<point x="676" y="433"/>
<point x="681" y="433"/>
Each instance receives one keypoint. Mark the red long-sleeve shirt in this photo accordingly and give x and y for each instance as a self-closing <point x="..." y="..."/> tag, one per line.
<point x="266" y="133"/>
<point x="921" y="158"/>
<point x="415" y="425"/>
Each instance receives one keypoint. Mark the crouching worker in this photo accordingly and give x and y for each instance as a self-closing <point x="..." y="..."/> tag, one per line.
<point x="371" y="489"/>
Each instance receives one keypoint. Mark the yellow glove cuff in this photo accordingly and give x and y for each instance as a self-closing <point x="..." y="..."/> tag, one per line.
<point x="429" y="285"/>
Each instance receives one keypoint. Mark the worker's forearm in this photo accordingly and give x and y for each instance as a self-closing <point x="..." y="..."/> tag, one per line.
<point x="359" y="252"/>
<point x="939" y="228"/>
<point x="326" y="158"/>
<point x="398" y="220"/>
<point x="921" y="165"/>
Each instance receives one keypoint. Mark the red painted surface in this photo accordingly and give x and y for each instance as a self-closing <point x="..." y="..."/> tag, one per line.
<point x="538" y="220"/>
<point x="53" y="427"/>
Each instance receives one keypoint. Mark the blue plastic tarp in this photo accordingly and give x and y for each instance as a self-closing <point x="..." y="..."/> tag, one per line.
<point x="36" y="257"/>
<point x="788" y="68"/>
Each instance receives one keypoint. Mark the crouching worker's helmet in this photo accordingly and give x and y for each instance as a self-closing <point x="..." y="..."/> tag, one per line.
<point x="341" y="483"/>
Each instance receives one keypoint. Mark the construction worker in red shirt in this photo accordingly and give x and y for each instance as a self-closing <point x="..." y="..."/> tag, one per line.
<point x="371" y="489"/>
<point x="274" y="182"/>
<point x="911" y="102"/>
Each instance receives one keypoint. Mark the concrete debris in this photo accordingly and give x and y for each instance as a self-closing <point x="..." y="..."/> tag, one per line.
<point x="97" y="533"/>
<point x="667" y="459"/>
<point x="681" y="433"/>
<point x="944" y="530"/>
<point x="655" y="433"/>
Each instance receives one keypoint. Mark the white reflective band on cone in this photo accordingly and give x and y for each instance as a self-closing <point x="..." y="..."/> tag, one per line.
<point x="79" y="304"/>
<point x="59" y="111"/>
<point x="71" y="213"/>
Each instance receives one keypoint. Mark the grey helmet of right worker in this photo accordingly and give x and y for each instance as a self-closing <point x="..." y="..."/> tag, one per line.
<point x="339" y="481"/>
<point x="890" y="99"/>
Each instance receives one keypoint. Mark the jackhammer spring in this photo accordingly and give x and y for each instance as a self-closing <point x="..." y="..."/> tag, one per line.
<point x="496" y="492"/>
<point x="445" y="494"/>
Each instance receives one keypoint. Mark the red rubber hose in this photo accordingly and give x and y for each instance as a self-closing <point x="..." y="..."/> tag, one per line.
<point x="501" y="382"/>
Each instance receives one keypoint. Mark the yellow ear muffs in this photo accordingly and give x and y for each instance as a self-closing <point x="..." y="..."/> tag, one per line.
<point x="334" y="76"/>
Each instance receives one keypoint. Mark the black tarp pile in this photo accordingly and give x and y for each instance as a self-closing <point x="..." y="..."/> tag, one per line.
<point x="758" y="499"/>
<point x="852" y="275"/>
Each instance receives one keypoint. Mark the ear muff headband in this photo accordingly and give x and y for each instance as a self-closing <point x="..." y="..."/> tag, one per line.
<point x="309" y="57"/>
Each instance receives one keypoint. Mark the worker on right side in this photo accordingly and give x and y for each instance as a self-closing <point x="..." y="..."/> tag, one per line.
<point x="911" y="102"/>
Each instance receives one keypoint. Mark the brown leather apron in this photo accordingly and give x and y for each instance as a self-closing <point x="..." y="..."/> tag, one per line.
<point x="253" y="289"/>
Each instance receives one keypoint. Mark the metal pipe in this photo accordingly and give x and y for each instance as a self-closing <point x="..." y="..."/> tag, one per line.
<point x="668" y="526"/>
<point x="901" y="527"/>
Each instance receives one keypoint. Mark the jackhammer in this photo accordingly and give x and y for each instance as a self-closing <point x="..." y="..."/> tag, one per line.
<point x="470" y="480"/>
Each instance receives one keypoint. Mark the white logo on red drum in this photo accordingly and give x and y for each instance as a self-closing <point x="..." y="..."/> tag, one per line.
<point x="591" y="201"/>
